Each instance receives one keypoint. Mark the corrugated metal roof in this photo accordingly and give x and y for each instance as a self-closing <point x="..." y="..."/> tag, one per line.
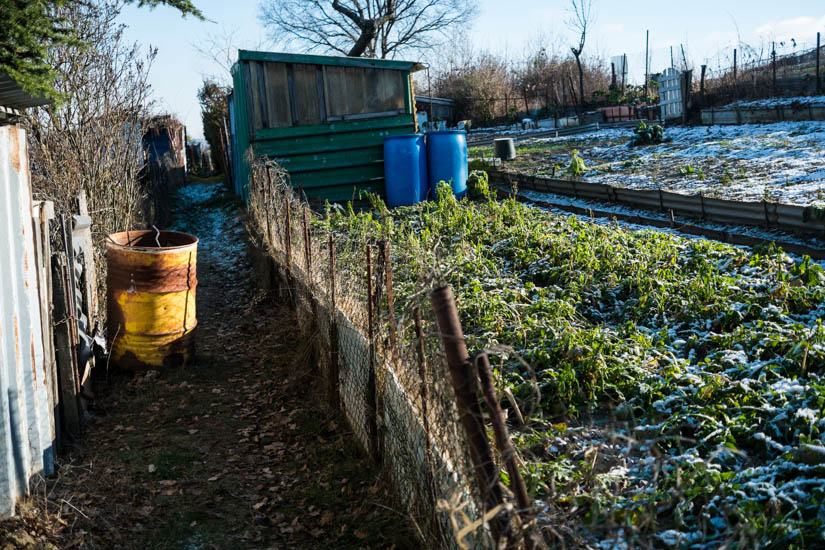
<point x="12" y="95"/>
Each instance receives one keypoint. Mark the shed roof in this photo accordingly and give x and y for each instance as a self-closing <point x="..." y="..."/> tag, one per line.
<point x="340" y="61"/>
<point x="435" y="100"/>
<point x="12" y="95"/>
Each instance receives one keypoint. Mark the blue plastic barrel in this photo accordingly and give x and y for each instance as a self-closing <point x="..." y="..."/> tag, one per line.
<point x="405" y="169"/>
<point x="447" y="160"/>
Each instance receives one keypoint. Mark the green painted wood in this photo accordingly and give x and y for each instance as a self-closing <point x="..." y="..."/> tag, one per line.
<point x="333" y="160"/>
<point x="325" y="144"/>
<point x="339" y="127"/>
<point x="344" y="192"/>
<point x="365" y="62"/>
<point x="241" y="128"/>
<point x="373" y="173"/>
<point x="326" y="160"/>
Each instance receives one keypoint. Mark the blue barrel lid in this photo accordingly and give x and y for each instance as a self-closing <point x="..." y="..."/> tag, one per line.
<point x="404" y="136"/>
<point x="447" y="132"/>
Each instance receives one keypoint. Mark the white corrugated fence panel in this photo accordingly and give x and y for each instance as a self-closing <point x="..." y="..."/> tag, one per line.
<point x="26" y="446"/>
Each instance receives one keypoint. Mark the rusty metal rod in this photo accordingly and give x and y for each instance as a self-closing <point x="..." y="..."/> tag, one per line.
<point x="390" y="303"/>
<point x="307" y="243"/>
<point x="268" y="205"/>
<point x="372" y="402"/>
<point x="465" y="386"/>
<point x="502" y="436"/>
<point x="287" y="231"/>
<point x="332" y="383"/>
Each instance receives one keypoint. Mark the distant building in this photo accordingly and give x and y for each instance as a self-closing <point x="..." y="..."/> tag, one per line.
<point x="166" y="136"/>
<point x="442" y="109"/>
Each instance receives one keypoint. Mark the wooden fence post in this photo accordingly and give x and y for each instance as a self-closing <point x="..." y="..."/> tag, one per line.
<point x="465" y="385"/>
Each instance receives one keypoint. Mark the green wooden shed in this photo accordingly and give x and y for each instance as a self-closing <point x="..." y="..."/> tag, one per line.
<point x="322" y="118"/>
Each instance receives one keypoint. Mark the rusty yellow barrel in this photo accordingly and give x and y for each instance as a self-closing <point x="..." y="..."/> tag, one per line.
<point x="151" y="281"/>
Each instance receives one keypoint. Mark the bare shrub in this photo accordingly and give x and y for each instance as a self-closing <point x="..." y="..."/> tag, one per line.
<point x="91" y="140"/>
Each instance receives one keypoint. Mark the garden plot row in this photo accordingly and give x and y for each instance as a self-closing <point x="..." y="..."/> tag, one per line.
<point x="672" y="388"/>
<point x="781" y="162"/>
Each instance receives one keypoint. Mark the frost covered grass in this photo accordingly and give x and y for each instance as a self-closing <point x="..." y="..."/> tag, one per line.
<point x="781" y="162"/>
<point x="672" y="389"/>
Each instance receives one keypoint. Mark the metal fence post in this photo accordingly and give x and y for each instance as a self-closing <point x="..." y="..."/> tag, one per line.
<point x="372" y="405"/>
<point x="287" y="231"/>
<point x="307" y="243"/>
<point x="465" y="386"/>
<point x="332" y="382"/>
<point x="505" y="447"/>
<point x="268" y="205"/>
<point x="393" y="327"/>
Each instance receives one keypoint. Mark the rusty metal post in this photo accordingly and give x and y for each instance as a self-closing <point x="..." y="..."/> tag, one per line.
<point x="372" y="402"/>
<point x="287" y="232"/>
<point x="818" y="81"/>
<point x="773" y="65"/>
<point x="422" y="373"/>
<point x="307" y="243"/>
<point x="390" y="304"/>
<point x="465" y="386"/>
<point x="505" y="447"/>
<point x="268" y="206"/>
<point x="332" y="382"/>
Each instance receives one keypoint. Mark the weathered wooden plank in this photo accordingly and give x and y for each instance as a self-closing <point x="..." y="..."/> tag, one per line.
<point x="65" y="345"/>
<point x="307" y="101"/>
<point x="278" y="105"/>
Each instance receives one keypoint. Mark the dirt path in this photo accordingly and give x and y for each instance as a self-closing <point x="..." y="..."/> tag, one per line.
<point x="231" y="452"/>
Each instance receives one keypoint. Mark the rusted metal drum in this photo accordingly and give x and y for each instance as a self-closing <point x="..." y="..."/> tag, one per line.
<point x="151" y="282"/>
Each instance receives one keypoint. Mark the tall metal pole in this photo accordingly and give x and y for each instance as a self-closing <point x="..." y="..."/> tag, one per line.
<point x="818" y="81"/>
<point x="647" y="58"/>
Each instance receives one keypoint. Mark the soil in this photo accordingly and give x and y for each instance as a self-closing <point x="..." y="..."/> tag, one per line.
<point x="232" y="451"/>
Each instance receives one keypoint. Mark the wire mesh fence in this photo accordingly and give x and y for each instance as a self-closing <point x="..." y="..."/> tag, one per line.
<point x="382" y="366"/>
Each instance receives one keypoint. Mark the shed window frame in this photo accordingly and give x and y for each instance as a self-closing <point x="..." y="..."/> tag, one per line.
<point x="263" y="117"/>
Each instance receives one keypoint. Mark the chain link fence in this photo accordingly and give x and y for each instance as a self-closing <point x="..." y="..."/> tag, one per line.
<point x="382" y="365"/>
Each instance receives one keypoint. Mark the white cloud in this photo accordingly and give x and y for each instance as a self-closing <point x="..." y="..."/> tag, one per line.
<point x="799" y="28"/>
<point x="614" y="27"/>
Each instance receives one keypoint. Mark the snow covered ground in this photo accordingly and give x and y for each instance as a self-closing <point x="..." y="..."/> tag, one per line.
<point x="782" y="162"/>
<point x="777" y="102"/>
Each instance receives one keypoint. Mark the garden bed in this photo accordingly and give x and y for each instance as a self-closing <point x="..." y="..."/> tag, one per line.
<point x="781" y="162"/>
<point x="672" y="389"/>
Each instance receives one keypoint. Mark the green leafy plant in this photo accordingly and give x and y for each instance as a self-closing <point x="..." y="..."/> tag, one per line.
<point x="690" y="170"/>
<point x="647" y="134"/>
<point x="576" y="168"/>
<point x="478" y="185"/>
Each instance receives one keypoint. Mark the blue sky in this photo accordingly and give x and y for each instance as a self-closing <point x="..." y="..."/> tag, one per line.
<point x="707" y="28"/>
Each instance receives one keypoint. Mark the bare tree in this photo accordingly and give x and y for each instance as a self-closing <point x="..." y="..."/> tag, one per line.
<point x="370" y="28"/>
<point x="221" y="48"/>
<point x="581" y="17"/>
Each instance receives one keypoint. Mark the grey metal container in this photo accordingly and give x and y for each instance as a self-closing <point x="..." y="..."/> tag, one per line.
<point x="504" y="148"/>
